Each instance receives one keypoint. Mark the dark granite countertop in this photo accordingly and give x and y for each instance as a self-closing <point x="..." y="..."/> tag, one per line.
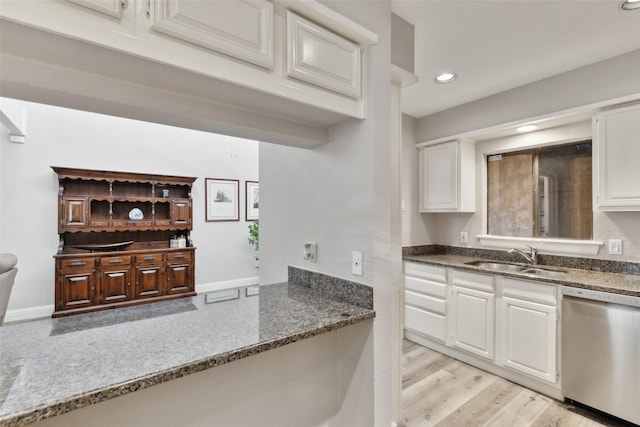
<point x="52" y="366"/>
<point x="619" y="283"/>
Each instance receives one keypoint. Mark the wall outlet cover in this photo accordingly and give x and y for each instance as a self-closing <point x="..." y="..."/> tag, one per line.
<point x="356" y="263"/>
<point x="615" y="247"/>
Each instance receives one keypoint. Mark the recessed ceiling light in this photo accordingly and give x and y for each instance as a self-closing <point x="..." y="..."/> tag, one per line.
<point x="630" y="4"/>
<point x="526" y="128"/>
<point x="445" y="77"/>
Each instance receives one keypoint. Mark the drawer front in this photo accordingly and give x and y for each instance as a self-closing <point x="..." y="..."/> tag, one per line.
<point x="425" y="287"/>
<point x="99" y="223"/>
<point x="115" y="260"/>
<point x="467" y="279"/>
<point x="530" y="291"/>
<point x="129" y="223"/>
<point x="425" y="323"/>
<point x="163" y="222"/>
<point x="78" y="263"/>
<point x="425" y="271"/>
<point x="148" y="258"/>
<point x="178" y="256"/>
<point x="425" y="302"/>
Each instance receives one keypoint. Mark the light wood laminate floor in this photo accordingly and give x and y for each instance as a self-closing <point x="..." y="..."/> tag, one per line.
<point x="440" y="391"/>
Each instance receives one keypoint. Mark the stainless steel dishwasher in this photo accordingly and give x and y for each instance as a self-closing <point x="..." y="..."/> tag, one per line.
<point x="601" y="351"/>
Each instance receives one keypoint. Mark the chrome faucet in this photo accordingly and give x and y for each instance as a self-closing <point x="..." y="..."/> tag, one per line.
<point x="531" y="257"/>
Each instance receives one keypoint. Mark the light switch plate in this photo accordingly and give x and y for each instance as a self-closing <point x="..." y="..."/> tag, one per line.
<point x="615" y="247"/>
<point x="464" y="237"/>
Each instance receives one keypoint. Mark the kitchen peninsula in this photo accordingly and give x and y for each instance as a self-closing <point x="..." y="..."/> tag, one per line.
<point x="53" y="367"/>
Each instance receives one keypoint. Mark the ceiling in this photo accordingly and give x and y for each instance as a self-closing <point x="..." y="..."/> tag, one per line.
<point x="496" y="45"/>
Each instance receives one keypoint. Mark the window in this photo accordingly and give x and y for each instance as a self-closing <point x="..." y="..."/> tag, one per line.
<point x="542" y="192"/>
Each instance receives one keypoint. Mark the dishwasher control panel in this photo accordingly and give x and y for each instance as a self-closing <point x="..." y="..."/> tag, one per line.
<point x="601" y="296"/>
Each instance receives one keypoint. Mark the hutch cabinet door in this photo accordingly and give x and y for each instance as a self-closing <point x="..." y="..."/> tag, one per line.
<point x="181" y="213"/>
<point x="75" y="212"/>
<point x="115" y="284"/>
<point x="77" y="290"/>
<point x="149" y="281"/>
<point x="179" y="278"/>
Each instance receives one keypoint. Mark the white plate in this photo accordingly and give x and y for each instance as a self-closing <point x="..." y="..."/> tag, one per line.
<point x="136" y="214"/>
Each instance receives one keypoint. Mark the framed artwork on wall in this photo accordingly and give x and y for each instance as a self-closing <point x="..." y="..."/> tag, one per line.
<point x="252" y="198"/>
<point x="222" y="199"/>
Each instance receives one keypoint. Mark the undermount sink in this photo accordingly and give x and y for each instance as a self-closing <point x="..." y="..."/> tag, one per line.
<point x="517" y="268"/>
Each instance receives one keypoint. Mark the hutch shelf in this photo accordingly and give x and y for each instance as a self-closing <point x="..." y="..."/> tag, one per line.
<point x="115" y="230"/>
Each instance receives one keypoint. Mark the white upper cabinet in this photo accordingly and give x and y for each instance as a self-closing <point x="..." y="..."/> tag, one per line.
<point x="323" y="58"/>
<point x="113" y="8"/>
<point x="240" y="29"/>
<point x="447" y="177"/>
<point x="617" y="155"/>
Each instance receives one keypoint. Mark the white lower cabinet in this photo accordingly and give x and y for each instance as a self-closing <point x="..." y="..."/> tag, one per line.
<point x="425" y="300"/>
<point x="472" y="309"/>
<point x="528" y="327"/>
<point x="501" y="324"/>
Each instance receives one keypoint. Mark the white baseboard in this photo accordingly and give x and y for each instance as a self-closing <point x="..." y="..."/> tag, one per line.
<point x="39" y="312"/>
<point x="227" y="284"/>
<point x="29" y="313"/>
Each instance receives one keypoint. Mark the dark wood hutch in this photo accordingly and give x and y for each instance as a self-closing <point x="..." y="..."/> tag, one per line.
<point x="115" y="233"/>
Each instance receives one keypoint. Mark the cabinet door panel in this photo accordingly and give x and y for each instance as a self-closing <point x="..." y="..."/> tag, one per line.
<point x="149" y="281"/>
<point x="320" y="57"/>
<point x="529" y="338"/>
<point x="115" y="285"/>
<point x="110" y="7"/>
<point x="473" y="321"/>
<point x="77" y="290"/>
<point x="241" y="29"/>
<point x="439" y="180"/>
<point x="425" y="323"/>
<point x="75" y="213"/>
<point x="181" y="213"/>
<point x="617" y="165"/>
<point x="179" y="278"/>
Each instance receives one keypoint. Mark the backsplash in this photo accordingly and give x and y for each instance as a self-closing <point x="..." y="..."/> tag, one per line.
<point x="602" y="265"/>
<point x="333" y="288"/>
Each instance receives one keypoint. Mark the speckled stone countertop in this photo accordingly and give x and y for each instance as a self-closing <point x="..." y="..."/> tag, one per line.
<point x="52" y="366"/>
<point x="619" y="283"/>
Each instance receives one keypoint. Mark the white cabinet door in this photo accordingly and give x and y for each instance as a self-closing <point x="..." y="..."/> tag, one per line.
<point x="528" y="339"/>
<point x="472" y="325"/>
<point x="447" y="177"/>
<point x="113" y="8"/>
<point x="617" y="152"/>
<point x="240" y="29"/>
<point x="320" y="57"/>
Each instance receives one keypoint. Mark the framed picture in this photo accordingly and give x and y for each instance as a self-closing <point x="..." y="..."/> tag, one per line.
<point x="222" y="199"/>
<point x="252" y="194"/>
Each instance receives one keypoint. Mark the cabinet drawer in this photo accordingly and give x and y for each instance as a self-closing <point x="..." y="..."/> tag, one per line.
<point x="115" y="260"/>
<point x="148" y="258"/>
<point x="530" y="291"/>
<point x="481" y="282"/>
<point x="178" y="256"/>
<point x="426" y="271"/>
<point x="78" y="263"/>
<point x="163" y="222"/>
<point x="425" y="287"/>
<point x="425" y="323"/>
<point x="99" y="223"/>
<point x="129" y="223"/>
<point x="425" y="302"/>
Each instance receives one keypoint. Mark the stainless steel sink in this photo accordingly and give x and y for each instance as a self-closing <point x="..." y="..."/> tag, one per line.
<point x="517" y="268"/>
<point x="497" y="266"/>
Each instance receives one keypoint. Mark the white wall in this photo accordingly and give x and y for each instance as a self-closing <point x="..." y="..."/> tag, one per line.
<point x="62" y="137"/>
<point x="416" y="229"/>
<point x="339" y="195"/>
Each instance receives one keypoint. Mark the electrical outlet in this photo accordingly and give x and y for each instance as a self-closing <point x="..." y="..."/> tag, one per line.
<point x="464" y="237"/>
<point x="309" y="252"/>
<point x="356" y="263"/>
<point x="615" y="247"/>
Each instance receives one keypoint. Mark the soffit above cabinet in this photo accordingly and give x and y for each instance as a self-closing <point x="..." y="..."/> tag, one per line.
<point x="98" y="62"/>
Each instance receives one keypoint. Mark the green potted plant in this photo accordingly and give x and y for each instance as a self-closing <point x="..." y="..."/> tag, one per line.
<point x="254" y="238"/>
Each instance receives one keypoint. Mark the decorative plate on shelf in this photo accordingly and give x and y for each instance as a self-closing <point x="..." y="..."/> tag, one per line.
<point x="136" y="214"/>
